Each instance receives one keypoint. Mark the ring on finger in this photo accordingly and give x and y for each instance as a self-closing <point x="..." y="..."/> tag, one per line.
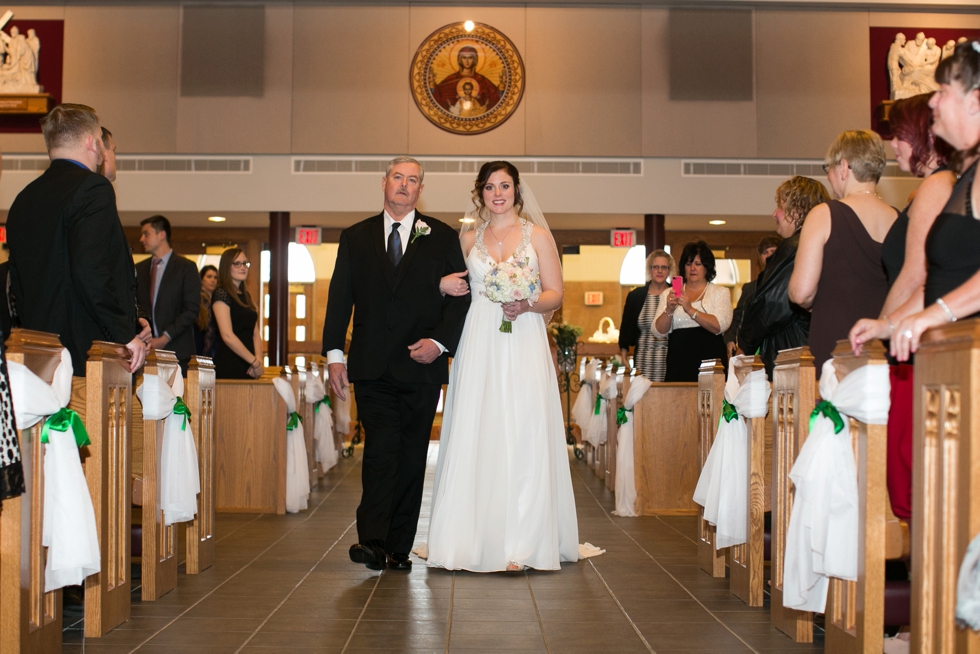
<point x="907" y="334"/>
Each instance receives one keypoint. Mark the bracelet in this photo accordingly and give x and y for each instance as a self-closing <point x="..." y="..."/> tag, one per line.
<point x="949" y="314"/>
<point x="254" y="362"/>
<point x="890" y="325"/>
<point x="695" y="316"/>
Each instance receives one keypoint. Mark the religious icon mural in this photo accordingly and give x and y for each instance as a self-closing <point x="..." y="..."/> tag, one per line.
<point x="467" y="81"/>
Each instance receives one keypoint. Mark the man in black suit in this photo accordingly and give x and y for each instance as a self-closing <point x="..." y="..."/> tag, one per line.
<point x="388" y="271"/>
<point x="71" y="268"/>
<point x="170" y="288"/>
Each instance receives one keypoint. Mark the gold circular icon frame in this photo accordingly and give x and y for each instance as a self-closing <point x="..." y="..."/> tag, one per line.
<point x="512" y="77"/>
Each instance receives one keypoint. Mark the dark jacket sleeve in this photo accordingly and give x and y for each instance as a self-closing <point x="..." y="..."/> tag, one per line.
<point x="450" y="327"/>
<point x="769" y="310"/>
<point x="90" y="264"/>
<point x="748" y="290"/>
<point x="340" y="302"/>
<point x="190" y="292"/>
<point x="629" y="328"/>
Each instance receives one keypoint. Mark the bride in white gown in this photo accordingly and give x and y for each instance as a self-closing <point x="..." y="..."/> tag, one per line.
<point x="503" y="491"/>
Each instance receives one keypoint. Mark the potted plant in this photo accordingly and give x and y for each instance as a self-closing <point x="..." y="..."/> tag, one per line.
<point x="566" y="342"/>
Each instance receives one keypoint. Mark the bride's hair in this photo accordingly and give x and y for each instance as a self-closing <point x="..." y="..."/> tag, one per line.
<point x="488" y="169"/>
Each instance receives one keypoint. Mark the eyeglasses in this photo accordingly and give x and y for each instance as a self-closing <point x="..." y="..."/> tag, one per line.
<point x="826" y="168"/>
<point x="241" y="264"/>
<point x="660" y="268"/>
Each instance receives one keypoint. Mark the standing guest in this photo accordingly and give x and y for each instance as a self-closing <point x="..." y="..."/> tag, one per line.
<point x="636" y="328"/>
<point x="840" y="278"/>
<point x="70" y="264"/>
<point x="205" y="330"/>
<point x="108" y="167"/>
<point x="694" y="322"/>
<point x="766" y="247"/>
<point x="771" y="322"/>
<point x="169" y="285"/>
<point x="238" y="352"/>
<point x="903" y="253"/>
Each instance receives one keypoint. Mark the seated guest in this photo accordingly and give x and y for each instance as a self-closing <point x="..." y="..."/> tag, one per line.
<point x="904" y="255"/>
<point x="771" y="322"/>
<point x="839" y="276"/>
<point x="765" y="249"/>
<point x="694" y="321"/>
<point x="238" y="354"/>
<point x="205" y="331"/>
<point x="636" y="328"/>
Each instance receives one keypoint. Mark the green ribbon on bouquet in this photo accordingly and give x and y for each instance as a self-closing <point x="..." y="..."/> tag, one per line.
<point x="829" y="411"/>
<point x="61" y="421"/>
<point x="294" y="419"/>
<point x="598" y="403"/>
<point x="325" y="400"/>
<point x="181" y="409"/>
<point x="728" y="411"/>
<point x="621" y="416"/>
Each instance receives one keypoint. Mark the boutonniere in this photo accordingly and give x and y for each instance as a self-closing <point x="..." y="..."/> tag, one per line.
<point x="421" y="229"/>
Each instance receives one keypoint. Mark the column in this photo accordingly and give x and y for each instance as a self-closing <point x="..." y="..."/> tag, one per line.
<point x="279" y="237"/>
<point x="653" y="232"/>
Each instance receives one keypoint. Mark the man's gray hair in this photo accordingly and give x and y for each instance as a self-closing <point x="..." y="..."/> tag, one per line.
<point x="400" y="160"/>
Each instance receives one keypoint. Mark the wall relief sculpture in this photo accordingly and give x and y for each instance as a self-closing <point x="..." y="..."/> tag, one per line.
<point x="912" y="64"/>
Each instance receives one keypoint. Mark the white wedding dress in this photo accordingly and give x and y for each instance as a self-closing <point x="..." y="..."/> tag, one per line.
<point x="503" y="488"/>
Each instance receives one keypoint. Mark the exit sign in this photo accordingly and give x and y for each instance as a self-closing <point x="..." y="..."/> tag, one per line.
<point x="308" y="235"/>
<point x="3" y="233"/>
<point x="622" y="238"/>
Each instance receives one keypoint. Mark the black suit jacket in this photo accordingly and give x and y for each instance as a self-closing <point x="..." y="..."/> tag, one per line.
<point x="71" y="267"/>
<point x="394" y="308"/>
<point x="178" y="301"/>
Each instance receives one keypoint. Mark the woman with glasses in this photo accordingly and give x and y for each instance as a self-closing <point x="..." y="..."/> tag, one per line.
<point x="239" y="348"/>
<point x="636" y="328"/>
<point x="838" y="274"/>
<point x="694" y="321"/>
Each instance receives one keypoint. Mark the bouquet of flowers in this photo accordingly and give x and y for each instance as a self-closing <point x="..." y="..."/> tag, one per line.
<point x="511" y="281"/>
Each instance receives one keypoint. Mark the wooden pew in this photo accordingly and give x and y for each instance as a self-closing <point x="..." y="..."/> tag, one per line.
<point x="711" y="392"/>
<point x="250" y="446"/>
<point x="665" y="450"/>
<point x="316" y="371"/>
<point x="297" y="379"/>
<point x="104" y="400"/>
<point x="747" y="567"/>
<point x="612" y="430"/>
<point x="793" y="398"/>
<point x="946" y="487"/>
<point x="199" y="398"/>
<point x="30" y="619"/>
<point x="159" y="548"/>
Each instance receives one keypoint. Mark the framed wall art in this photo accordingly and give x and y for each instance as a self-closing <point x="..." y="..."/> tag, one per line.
<point x="467" y="81"/>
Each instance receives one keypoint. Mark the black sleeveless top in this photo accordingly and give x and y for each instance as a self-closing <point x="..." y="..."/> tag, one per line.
<point x="953" y="244"/>
<point x="227" y="364"/>
<point x="893" y="247"/>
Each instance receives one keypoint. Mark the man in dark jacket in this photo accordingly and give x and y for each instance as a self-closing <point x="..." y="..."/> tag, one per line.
<point x="71" y="268"/>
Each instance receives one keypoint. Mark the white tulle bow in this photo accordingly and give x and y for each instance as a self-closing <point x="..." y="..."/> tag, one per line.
<point x="598" y="425"/>
<point x="584" y="403"/>
<point x="822" y="538"/>
<point x="180" y="475"/>
<point x="326" y="451"/>
<point x="297" y="464"/>
<point x="68" y="530"/>
<point x="625" y="479"/>
<point x="723" y="486"/>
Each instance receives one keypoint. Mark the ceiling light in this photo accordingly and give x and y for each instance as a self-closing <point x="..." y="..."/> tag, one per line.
<point x="466" y="220"/>
<point x="217" y="219"/>
<point x="716" y="222"/>
<point x="468" y="26"/>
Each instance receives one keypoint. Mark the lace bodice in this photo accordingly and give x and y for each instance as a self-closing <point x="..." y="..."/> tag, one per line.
<point x="479" y="261"/>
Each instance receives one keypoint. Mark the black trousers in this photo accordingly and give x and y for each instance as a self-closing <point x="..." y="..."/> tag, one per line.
<point x="397" y="419"/>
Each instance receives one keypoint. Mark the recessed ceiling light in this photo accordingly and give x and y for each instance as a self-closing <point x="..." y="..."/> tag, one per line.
<point x="217" y="219"/>
<point x="468" y="26"/>
<point x="716" y="222"/>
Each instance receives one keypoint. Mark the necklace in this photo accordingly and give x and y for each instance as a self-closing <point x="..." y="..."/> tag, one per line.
<point x="494" y="234"/>
<point x="858" y="192"/>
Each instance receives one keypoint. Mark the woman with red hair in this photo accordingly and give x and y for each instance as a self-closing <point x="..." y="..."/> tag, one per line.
<point x="903" y="254"/>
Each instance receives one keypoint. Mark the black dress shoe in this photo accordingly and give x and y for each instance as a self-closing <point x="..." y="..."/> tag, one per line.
<point x="399" y="562"/>
<point x="371" y="556"/>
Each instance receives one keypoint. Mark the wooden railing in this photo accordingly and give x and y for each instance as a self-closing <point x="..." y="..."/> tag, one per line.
<point x="199" y="395"/>
<point x="711" y="392"/>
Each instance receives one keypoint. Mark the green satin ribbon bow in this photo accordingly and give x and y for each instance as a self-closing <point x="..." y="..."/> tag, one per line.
<point x="829" y="411"/>
<point x="294" y="419"/>
<point x="621" y="416"/>
<point x="325" y="400"/>
<point x="61" y="421"/>
<point x="728" y="411"/>
<point x="181" y="410"/>
<point x="598" y="403"/>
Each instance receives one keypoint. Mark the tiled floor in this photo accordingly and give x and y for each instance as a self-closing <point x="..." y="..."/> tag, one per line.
<point x="285" y="584"/>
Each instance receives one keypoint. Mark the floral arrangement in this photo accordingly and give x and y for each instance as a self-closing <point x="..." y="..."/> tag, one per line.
<point x="564" y="334"/>
<point x="511" y="281"/>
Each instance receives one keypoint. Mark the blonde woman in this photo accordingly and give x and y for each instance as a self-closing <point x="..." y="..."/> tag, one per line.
<point x="636" y="328"/>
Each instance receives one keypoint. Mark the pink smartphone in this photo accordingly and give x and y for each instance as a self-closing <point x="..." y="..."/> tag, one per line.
<point x="677" y="283"/>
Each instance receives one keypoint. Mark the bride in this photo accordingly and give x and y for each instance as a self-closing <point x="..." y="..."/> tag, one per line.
<point x="503" y="491"/>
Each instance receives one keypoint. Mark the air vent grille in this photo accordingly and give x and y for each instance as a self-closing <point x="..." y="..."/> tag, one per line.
<point x="326" y="165"/>
<point x="749" y="168"/>
<point x="144" y="164"/>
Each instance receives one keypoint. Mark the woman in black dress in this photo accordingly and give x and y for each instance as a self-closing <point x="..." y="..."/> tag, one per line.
<point x="205" y="330"/>
<point x="952" y="287"/>
<point x="239" y="348"/>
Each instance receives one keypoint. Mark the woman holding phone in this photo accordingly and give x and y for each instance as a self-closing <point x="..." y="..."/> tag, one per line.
<point x="693" y="317"/>
<point x="636" y="328"/>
